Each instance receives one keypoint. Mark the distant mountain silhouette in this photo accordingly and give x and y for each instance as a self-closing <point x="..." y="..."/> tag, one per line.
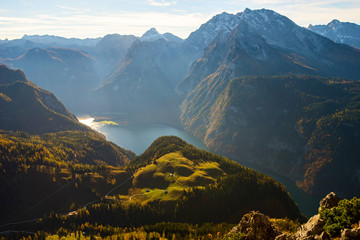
<point x="26" y="107"/>
<point x="68" y="73"/>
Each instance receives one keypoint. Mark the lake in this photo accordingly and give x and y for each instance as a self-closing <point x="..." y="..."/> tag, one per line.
<point x="139" y="138"/>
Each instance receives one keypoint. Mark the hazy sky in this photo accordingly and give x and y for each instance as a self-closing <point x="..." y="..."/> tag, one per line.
<point x="96" y="18"/>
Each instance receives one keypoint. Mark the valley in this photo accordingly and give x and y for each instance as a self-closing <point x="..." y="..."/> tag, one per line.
<point x="139" y="137"/>
<point x="162" y="137"/>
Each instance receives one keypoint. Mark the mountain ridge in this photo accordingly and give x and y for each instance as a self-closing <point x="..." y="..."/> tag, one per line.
<point x="340" y="32"/>
<point x="294" y="118"/>
<point x="300" y="50"/>
<point x="152" y="35"/>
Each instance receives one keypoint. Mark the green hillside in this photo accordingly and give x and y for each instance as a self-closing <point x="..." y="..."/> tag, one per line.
<point x="175" y="182"/>
<point x="31" y="167"/>
<point x="66" y="161"/>
<point x="303" y="127"/>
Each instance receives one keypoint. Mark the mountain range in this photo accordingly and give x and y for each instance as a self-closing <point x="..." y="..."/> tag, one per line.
<point x="253" y="86"/>
<point x="83" y="166"/>
<point x="161" y="78"/>
<point x="68" y="73"/>
<point x="266" y="43"/>
<point x="340" y="32"/>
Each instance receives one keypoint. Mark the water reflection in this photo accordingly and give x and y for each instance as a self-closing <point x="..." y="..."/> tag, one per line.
<point x="138" y="138"/>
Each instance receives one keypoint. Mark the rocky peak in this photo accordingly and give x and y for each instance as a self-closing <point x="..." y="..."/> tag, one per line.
<point x="151" y="32"/>
<point x="331" y="200"/>
<point x="333" y="23"/>
<point x="255" y="225"/>
<point x="340" y="32"/>
<point x="276" y="29"/>
<point x="262" y="16"/>
<point x="151" y="35"/>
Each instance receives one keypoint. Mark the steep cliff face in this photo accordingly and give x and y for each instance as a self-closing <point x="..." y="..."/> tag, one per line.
<point x="303" y="127"/>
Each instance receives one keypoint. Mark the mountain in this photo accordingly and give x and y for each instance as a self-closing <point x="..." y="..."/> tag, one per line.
<point x="26" y="107"/>
<point x="109" y="51"/>
<point x="201" y="38"/>
<point x="56" y="41"/>
<point x="17" y="47"/>
<point x="144" y="80"/>
<point x="153" y="35"/>
<point x="239" y="117"/>
<point x="302" y="127"/>
<point x="32" y="166"/>
<point x="51" y="172"/>
<point x="340" y="32"/>
<point x="174" y="182"/>
<point x="266" y="43"/>
<point x="69" y="73"/>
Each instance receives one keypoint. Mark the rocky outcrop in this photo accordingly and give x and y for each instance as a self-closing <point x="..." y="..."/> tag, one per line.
<point x="314" y="228"/>
<point x="310" y="229"/>
<point x="330" y="201"/>
<point x="285" y="236"/>
<point x="255" y="225"/>
<point x="324" y="236"/>
<point x="351" y="234"/>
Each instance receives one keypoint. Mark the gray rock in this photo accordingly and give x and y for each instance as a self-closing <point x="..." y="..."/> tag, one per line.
<point x="285" y="236"/>
<point x="350" y="234"/>
<point x="256" y="226"/>
<point x="323" y="236"/>
<point x="330" y="201"/>
<point x="310" y="229"/>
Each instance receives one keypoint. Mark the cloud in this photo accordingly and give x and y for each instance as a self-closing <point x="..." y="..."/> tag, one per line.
<point x="89" y="25"/>
<point x="67" y="8"/>
<point x="161" y="3"/>
<point x="82" y="22"/>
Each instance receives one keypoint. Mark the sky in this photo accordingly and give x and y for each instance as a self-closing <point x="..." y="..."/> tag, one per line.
<point x="96" y="18"/>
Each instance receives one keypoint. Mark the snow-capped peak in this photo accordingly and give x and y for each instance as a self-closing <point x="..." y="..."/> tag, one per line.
<point x="263" y="21"/>
<point x="341" y="32"/>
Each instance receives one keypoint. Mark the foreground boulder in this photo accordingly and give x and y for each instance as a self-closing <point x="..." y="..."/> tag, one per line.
<point x="331" y="200"/>
<point x="334" y="216"/>
<point x="349" y="234"/>
<point x="255" y="225"/>
<point x="315" y="226"/>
